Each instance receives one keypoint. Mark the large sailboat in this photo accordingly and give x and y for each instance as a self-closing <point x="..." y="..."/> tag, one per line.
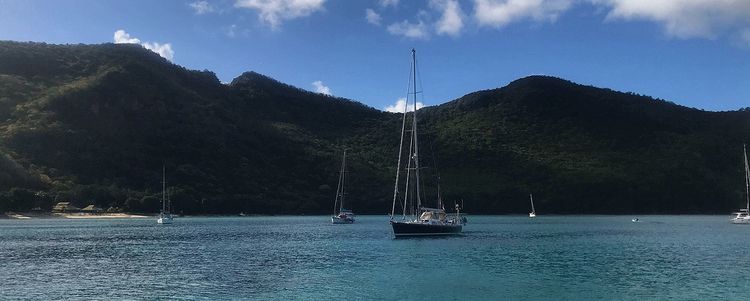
<point x="341" y="215"/>
<point x="533" y="212"/>
<point x="743" y="215"/>
<point x="165" y="215"/>
<point x="416" y="220"/>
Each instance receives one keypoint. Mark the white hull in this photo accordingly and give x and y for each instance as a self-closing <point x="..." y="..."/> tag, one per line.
<point x="740" y="221"/>
<point x="532" y="214"/>
<point x="164" y="220"/>
<point x="340" y="220"/>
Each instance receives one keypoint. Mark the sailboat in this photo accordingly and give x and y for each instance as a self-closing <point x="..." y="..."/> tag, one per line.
<point x="417" y="220"/>
<point x="341" y="215"/>
<point x="743" y="215"/>
<point x="165" y="215"/>
<point x="533" y="212"/>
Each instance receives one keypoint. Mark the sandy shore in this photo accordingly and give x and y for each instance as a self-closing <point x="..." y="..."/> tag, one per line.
<point x="36" y="215"/>
<point x="101" y="215"/>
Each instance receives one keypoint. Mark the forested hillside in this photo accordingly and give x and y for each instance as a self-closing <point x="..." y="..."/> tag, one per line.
<point x="95" y="124"/>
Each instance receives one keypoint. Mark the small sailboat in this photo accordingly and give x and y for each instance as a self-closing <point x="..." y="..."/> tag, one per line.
<point x="533" y="212"/>
<point x="743" y="215"/>
<point x="416" y="219"/>
<point x="165" y="215"/>
<point x="341" y="215"/>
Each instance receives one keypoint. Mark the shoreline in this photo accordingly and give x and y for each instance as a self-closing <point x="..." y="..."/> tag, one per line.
<point x="35" y="215"/>
<point x="79" y="215"/>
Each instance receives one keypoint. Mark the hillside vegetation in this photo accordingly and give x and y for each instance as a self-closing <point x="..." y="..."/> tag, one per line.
<point x="95" y="124"/>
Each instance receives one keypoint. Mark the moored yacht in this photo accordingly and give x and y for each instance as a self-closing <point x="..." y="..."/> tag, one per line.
<point x="417" y="220"/>
<point x="743" y="215"/>
<point x="165" y="215"/>
<point x="341" y="215"/>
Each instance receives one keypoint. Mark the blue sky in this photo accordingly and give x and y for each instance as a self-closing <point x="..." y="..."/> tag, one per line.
<point x="692" y="52"/>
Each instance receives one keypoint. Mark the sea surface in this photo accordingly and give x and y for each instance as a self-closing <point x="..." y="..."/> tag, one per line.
<point x="307" y="258"/>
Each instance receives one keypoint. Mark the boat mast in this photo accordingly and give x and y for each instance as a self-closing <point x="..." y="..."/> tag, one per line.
<point x="414" y="129"/>
<point x="163" y="188"/>
<point x="398" y="165"/>
<point x="340" y="187"/>
<point x="343" y="181"/>
<point x="532" y="203"/>
<point x="747" y="178"/>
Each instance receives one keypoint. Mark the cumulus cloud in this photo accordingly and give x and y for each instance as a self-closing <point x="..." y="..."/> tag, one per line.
<point x="201" y="7"/>
<point x="410" y="30"/>
<point x="122" y="37"/>
<point x="387" y="3"/>
<point x="499" y="13"/>
<point x="274" y="12"/>
<point x="451" y="22"/>
<point x="685" y="18"/>
<point x="372" y="17"/>
<point x="400" y="105"/>
<point x="320" y="88"/>
<point x="164" y="50"/>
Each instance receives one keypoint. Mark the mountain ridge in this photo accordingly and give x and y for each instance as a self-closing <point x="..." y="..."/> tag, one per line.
<point x="94" y="124"/>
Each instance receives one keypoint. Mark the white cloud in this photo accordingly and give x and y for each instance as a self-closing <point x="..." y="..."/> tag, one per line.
<point x="387" y="3"/>
<point x="164" y="50"/>
<point x="685" y="18"/>
<point x="201" y="7"/>
<point x="499" y="13"/>
<point x="320" y="88"/>
<point x="400" y="105"/>
<point x="122" y="37"/>
<point x="372" y="17"/>
<point x="409" y="30"/>
<point x="451" y="22"/>
<point x="274" y="12"/>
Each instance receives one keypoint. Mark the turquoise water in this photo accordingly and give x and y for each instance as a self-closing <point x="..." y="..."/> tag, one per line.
<point x="307" y="258"/>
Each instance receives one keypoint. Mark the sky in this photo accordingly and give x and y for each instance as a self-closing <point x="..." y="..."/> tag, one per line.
<point x="694" y="53"/>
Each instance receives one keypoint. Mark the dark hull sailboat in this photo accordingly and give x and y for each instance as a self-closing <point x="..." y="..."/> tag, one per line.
<point x="417" y="220"/>
<point x="415" y="228"/>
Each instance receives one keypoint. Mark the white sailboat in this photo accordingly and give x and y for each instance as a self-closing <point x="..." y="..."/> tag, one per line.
<point x="743" y="215"/>
<point x="340" y="214"/>
<point x="165" y="215"/>
<point x="417" y="220"/>
<point x="533" y="212"/>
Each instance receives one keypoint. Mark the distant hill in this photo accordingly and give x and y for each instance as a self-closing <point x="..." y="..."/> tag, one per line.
<point x="95" y="124"/>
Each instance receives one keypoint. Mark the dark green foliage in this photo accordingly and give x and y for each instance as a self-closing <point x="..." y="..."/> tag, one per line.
<point x="94" y="124"/>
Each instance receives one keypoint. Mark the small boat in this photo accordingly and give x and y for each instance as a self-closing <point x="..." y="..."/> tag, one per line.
<point x="165" y="215"/>
<point x="743" y="215"/>
<point x="416" y="219"/>
<point x="635" y="220"/>
<point x="532" y="214"/>
<point x="341" y="215"/>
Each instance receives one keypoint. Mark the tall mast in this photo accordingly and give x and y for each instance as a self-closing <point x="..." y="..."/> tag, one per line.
<point x="532" y="202"/>
<point x="163" y="188"/>
<point x="343" y="181"/>
<point x="414" y="129"/>
<point x="747" y="177"/>
<point x="340" y="187"/>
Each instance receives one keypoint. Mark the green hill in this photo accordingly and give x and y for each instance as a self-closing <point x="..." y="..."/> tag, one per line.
<point x="95" y="123"/>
